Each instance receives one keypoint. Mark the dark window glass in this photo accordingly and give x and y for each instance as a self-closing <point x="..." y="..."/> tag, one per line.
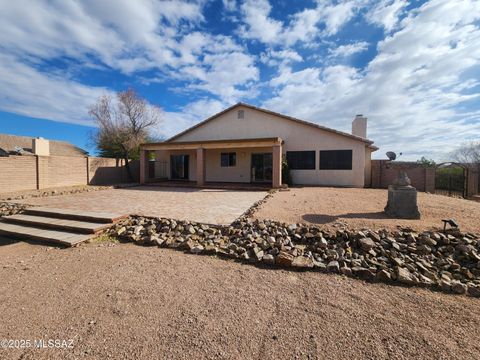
<point x="228" y="159"/>
<point x="336" y="160"/>
<point x="301" y="160"/>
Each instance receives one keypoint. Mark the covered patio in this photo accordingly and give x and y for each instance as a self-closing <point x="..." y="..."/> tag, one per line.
<point x="213" y="162"/>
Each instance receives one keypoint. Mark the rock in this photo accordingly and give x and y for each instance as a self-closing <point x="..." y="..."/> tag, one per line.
<point x="366" y="244"/>
<point x="383" y="275"/>
<point x="473" y="291"/>
<point x="404" y="276"/>
<point x="121" y="230"/>
<point x="345" y="270"/>
<point x="268" y="259"/>
<point x="196" y="249"/>
<point x="333" y="266"/>
<point x="362" y="273"/>
<point x="284" y="259"/>
<point x="191" y="229"/>
<point x="458" y="287"/>
<point x="302" y="262"/>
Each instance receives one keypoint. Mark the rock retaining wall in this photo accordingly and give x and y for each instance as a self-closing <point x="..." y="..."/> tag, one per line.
<point x="7" y="208"/>
<point x="447" y="261"/>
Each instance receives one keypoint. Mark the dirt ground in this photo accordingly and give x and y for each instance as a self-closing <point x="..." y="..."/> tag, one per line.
<point x="361" y="208"/>
<point x="126" y="301"/>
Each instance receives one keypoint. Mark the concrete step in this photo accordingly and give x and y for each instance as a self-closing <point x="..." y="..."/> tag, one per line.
<point x="28" y="232"/>
<point x="72" y="214"/>
<point x="67" y="225"/>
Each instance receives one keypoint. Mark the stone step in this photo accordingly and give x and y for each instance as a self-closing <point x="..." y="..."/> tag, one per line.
<point x="72" y="214"/>
<point x="28" y="232"/>
<point x="43" y="222"/>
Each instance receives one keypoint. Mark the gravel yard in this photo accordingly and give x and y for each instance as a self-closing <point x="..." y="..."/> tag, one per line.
<point x="363" y="208"/>
<point x="128" y="301"/>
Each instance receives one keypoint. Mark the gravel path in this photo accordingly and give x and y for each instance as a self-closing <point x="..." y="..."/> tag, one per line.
<point x="361" y="208"/>
<point x="127" y="301"/>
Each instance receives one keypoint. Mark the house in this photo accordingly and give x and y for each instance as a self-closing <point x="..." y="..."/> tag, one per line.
<point x="25" y="145"/>
<point x="246" y="144"/>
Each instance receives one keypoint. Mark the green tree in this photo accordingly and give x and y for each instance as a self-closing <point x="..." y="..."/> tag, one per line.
<point x="426" y="162"/>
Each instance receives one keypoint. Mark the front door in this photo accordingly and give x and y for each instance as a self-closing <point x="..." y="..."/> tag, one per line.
<point x="262" y="167"/>
<point x="179" y="167"/>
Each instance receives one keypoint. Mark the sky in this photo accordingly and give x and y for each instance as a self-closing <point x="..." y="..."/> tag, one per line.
<point x="411" y="67"/>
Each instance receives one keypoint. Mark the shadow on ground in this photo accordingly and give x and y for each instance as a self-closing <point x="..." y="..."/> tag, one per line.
<point x="326" y="219"/>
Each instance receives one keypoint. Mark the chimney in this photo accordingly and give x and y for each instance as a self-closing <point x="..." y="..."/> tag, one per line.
<point x="40" y="146"/>
<point x="359" y="126"/>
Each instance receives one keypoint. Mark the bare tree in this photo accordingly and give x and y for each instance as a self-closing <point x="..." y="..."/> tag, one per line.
<point x="123" y="124"/>
<point x="468" y="154"/>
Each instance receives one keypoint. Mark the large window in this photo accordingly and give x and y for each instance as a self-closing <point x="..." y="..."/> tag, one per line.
<point x="336" y="160"/>
<point x="228" y="159"/>
<point x="301" y="160"/>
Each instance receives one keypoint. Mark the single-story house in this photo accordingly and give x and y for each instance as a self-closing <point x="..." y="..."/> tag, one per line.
<point x="26" y="145"/>
<point x="246" y="144"/>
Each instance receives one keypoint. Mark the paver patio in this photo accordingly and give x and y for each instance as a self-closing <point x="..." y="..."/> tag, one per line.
<point x="213" y="206"/>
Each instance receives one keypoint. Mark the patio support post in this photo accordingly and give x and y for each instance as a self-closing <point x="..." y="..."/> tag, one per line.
<point x="143" y="167"/>
<point x="200" y="166"/>
<point x="277" y="166"/>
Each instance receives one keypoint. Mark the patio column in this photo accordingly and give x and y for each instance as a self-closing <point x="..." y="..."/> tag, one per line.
<point x="200" y="166"/>
<point x="143" y="165"/>
<point x="277" y="166"/>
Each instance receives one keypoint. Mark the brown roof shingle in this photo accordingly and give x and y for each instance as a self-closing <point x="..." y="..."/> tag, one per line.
<point x="10" y="143"/>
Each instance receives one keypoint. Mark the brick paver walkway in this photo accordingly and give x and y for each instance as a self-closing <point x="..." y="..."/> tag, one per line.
<point x="202" y="205"/>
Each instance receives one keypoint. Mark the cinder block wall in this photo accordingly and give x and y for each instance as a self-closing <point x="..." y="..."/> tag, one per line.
<point x="19" y="173"/>
<point x="66" y="171"/>
<point x="422" y="178"/>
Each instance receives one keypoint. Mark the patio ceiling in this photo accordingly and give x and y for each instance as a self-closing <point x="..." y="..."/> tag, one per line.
<point x="213" y="144"/>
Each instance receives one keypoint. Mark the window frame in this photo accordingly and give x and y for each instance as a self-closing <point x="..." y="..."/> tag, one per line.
<point x="333" y="164"/>
<point x="293" y="160"/>
<point x="231" y="159"/>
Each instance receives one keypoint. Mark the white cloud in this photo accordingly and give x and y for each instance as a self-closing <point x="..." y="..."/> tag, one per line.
<point x="229" y="5"/>
<point x="129" y="37"/>
<point x="417" y="92"/>
<point x="189" y="115"/>
<point x="27" y="91"/>
<point x="326" y="19"/>
<point x="281" y="57"/>
<point x="386" y="13"/>
<point x="349" y="49"/>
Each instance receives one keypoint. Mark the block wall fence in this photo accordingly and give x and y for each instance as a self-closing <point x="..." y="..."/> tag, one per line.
<point x="422" y="178"/>
<point x="18" y="173"/>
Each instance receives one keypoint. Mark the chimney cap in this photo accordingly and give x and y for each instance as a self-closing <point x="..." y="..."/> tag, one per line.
<point x="359" y="115"/>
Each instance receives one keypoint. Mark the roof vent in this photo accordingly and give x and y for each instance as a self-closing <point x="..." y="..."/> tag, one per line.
<point x="240" y="114"/>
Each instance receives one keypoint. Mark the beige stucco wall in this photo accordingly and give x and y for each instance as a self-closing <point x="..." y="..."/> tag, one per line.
<point x="368" y="167"/>
<point x="241" y="172"/>
<point x="257" y="124"/>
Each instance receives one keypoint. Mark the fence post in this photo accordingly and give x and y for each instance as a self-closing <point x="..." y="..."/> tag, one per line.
<point x="88" y="169"/>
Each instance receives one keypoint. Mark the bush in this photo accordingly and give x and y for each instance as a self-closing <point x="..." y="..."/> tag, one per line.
<point x="286" y="176"/>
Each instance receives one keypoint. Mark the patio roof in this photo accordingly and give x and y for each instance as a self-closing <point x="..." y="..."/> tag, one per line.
<point x="213" y="144"/>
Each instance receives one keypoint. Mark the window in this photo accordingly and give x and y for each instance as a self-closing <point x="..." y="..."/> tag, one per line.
<point x="336" y="160"/>
<point x="228" y="159"/>
<point x="240" y="114"/>
<point x="301" y="160"/>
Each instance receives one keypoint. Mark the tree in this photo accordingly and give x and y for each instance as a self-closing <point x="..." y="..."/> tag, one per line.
<point x="123" y="124"/>
<point x="468" y="154"/>
<point x="426" y="162"/>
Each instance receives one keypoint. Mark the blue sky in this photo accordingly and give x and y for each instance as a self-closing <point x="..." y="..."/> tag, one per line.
<point x="412" y="67"/>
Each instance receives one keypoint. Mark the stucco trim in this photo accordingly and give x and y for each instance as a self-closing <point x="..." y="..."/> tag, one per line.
<point x="369" y="142"/>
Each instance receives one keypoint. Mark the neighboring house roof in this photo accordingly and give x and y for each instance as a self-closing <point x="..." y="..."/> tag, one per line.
<point x="368" y="142"/>
<point x="12" y="144"/>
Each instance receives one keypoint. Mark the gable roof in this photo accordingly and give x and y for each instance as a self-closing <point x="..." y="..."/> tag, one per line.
<point x="368" y="142"/>
<point x="10" y="143"/>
